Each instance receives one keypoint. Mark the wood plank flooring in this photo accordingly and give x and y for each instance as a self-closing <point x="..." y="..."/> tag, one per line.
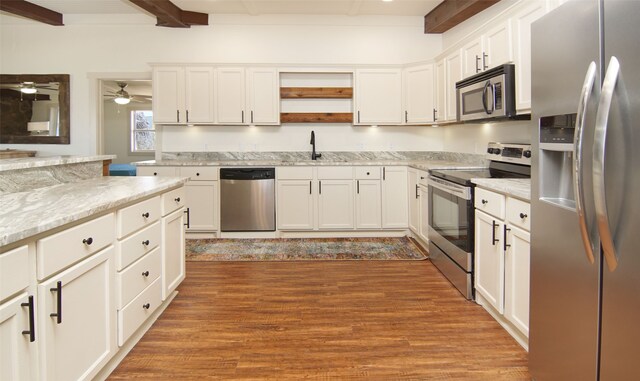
<point x="322" y="321"/>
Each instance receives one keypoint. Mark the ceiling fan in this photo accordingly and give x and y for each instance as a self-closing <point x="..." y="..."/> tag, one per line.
<point x="122" y="97"/>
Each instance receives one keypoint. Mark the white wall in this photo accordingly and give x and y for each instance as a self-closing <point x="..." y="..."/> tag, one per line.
<point x="91" y="45"/>
<point x="473" y="138"/>
<point x="117" y="137"/>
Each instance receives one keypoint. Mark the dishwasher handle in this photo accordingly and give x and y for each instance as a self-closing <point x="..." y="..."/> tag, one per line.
<point x="247" y="173"/>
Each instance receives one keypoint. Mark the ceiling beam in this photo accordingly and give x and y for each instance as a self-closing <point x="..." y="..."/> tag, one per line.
<point x="453" y="12"/>
<point x="168" y="14"/>
<point x="31" y="11"/>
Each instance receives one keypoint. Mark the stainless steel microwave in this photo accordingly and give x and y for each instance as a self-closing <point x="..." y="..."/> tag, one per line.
<point x="487" y="95"/>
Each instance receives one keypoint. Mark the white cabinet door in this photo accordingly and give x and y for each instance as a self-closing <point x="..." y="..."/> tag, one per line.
<point x="453" y="63"/>
<point x="335" y="204"/>
<point x="80" y="338"/>
<point x="472" y="57"/>
<point x="441" y="91"/>
<point x="230" y="96"/>
<point x="168" y="95"/>
<point x="498" y="45"/>
<point x="395" y="212"/>
<point x="419" y="94"/>
<point x="522" y="30"/>
<point x="173" y="259"/>
<point x="263" y="93"/>
<point x="378" y="96"/>
<point x="414" y="201"/>
<point x="199" y="94"/>
<point x="295" y="205"/>
<point x="368" y="204"/>
<point x="16" y="348"/>
<point x="424" y="213"/>
<point x="516" y="279"/>
<point x="201" y="200"/>
<point x="489" y="260"/>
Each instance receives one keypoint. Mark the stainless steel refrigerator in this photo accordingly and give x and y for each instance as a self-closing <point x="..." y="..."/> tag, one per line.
<point x="585" y="232"/>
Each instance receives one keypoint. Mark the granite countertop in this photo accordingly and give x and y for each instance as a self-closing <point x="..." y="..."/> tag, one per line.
<point x="26" y="214"/>
<point x="520" y="188"/>
<point x="45" y="161"/>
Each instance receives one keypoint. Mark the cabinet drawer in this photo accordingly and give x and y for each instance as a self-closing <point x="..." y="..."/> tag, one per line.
<point x="490" y="202"/>
<point x="294" y="173"/>
<point x="423" y="178"/>
<point x="60" y="250"/>
<point x="518" y="213"/>
<point x="335" y="173"/>
<point x="173" y="200"/>
<point x="155" y="171"/>
<point x="137" y="277"/>
<point x="368" y="173"/>
<point x="131" y="248"/>
<point x="14" y="271"/>
<point x="200" y="173"/>
<point x="138" y="216"/>
<point x="131" y="317"/>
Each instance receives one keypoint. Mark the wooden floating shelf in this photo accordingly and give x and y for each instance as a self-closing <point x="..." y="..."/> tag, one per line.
<point x="316" y="117"/>
<point x="316" y="92"/>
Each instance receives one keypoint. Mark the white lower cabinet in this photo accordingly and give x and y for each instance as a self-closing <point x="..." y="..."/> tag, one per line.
<point x="424" y="213"/>
<point x="202" y="203"/>
<point x="395" y="203"/>
<point x="295" y="201"/>
<point x="368" y="205"/>
<point x="17" y="359"/>
<point x="414" y="200"/>
<point x="173" y="252"/>
<point x="76" y="319"/>
<point x="502" y="260"/>
<point x="335" y="204"/>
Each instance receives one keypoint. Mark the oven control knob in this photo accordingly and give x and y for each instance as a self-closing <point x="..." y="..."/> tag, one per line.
<point x="489" y="150"/>
<point x="526" y="154"/>
<point x="497" y="151"/>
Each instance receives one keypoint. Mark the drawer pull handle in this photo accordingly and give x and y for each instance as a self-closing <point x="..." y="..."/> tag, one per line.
<point x="87" y="241"/>
<point x="484" y="202"/>
<point x="32" y="326"/>
<point x="146" y="306"/>
<point x="197" y="173"/>
<point x="145" y="215"/>
<point x="58" y="313"/>
<point x="523" y="216"/>
<point x="368" y="173"/>
<point x="177" y="199"/>
<point x="145" y="274"/>
<point x="146" y="242"/>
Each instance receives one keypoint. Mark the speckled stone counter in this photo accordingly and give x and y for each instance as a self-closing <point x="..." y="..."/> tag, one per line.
<point x="415" y="159"/>
<point x="25" y="214"/>
<point x="519" y="188"/>
<point x="19" y="175"/>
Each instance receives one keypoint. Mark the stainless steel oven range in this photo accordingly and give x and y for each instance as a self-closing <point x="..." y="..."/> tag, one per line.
<point x="452" y="214"/>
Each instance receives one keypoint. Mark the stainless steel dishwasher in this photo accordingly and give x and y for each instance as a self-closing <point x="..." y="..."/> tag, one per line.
<point x="247" y="199"/>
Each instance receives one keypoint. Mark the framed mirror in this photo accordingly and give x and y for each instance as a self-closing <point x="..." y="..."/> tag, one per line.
<point x="34" y="109"/>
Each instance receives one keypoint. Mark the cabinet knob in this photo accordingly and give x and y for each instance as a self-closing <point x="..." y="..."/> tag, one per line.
<point x="421" y="177"/>
<point x="146" y="242"/>
<point x="87" y="241"/>
<point x="523" y="216"/>
<point x="177" y="199"/>
<point x="145" y="215"/>
<point x="484" y="202"/>
<point x="145" y="274"/>
<point x="155" y="173"/>
<point x="197" y="173"/>
<point x="146" y="306"/>
<point x="368" y="173"/>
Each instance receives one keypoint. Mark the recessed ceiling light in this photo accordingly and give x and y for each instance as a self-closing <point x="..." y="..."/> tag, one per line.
<point x="387" y="1"/>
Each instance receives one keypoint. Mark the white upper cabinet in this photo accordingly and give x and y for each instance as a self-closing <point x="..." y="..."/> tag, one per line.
<point x="263" y="98"/>
<point x="498" y="45"/>
<point x="168" y="95"/>
<point x="419" y="88"/>
<point x="522" y="34"/>
<point x="199" y="94"/>
<point x="453" y="73"/>
<point x="441" y="91"/>
<point x="472" y="57"/>
<point x="378" y="97"/>
<point x="230" y="96"/>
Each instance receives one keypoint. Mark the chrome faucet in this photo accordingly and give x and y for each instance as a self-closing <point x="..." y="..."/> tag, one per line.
<point x="314" y="155"/>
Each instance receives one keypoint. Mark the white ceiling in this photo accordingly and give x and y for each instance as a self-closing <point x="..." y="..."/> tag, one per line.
<point x="254" y="7"/>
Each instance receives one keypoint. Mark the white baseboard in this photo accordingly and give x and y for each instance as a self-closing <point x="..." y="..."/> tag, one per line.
<point x="506" y="324"/>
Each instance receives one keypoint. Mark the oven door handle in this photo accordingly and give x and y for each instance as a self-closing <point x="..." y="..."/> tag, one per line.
<point x="455" y="189"/>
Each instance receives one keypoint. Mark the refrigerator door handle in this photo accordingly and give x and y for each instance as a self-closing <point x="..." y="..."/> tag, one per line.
<point x="599" y="141"/>
<point x="578" y="186"/>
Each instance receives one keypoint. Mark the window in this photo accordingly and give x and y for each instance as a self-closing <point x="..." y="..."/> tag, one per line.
<point x="143" y="132"/>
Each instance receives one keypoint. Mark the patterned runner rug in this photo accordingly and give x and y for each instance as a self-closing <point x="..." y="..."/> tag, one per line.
<point x="302" y="249"/>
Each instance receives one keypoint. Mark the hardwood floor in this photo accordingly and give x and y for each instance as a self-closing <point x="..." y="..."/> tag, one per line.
<point x="321" y="320"/>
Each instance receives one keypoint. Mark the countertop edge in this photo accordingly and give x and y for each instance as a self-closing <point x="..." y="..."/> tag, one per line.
<point x="47" y="161"/>
<point x="517" y="188"/>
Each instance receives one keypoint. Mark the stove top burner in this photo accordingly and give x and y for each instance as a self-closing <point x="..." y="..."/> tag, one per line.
<point x="497" y="170"/>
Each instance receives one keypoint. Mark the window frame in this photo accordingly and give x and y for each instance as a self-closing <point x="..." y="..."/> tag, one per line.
<point x="132" y="130"/>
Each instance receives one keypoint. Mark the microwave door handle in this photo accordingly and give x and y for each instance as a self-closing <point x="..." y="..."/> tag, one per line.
<point x="484" y="97"/>
<point x="599" y="142"/>
<point x="578" y="159"/>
